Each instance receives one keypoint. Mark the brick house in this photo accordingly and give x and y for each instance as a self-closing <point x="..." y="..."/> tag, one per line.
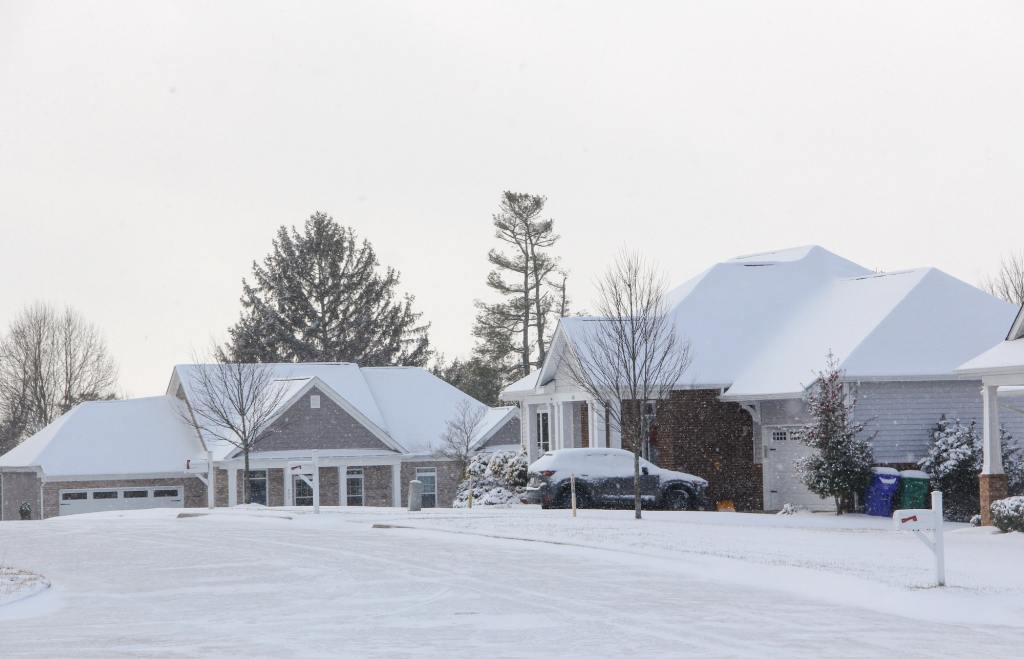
<point x="372" y="430"/>
<point x="759" y="328"/>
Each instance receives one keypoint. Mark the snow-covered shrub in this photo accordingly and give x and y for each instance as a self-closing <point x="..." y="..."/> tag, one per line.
<point x="494" y="479"/>
<point x="976" y="520"/>
<point x="840" y="466"/>
<point x="1008" y="514"/>
<point x="25" y="510"/>
<point x="954" y="461"/>
<point x="791" y="509"/>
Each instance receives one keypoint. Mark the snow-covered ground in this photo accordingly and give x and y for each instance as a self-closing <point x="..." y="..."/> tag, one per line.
<point x="506" y="582"/>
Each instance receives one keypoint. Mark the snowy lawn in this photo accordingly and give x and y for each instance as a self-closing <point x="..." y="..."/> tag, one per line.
<point x="505" y="582"/>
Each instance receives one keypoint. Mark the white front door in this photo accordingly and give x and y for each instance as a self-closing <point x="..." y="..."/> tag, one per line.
<point x="781" y="477"/>
<point x="91" y="500"/>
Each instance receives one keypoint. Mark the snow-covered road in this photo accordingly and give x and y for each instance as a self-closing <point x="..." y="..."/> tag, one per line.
<point x="255" y="584"/>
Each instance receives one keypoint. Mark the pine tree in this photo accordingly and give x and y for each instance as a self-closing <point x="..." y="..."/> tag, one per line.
<point x="515" y="330"/>
<point x="475" y="376"/>
<point x="841" y="464"/>
<point x="321" y="295"/>
<point x="954" y="461"/>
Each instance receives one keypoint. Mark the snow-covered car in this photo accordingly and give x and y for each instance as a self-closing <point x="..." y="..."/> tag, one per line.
<point x="604" y="478"/>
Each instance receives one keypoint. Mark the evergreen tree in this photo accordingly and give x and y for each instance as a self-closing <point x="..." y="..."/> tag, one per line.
<point x="475" y="377"/>
<point x="954" y="461"/>
<point x="514" y="332"/>
<point x="841" y="464"/>
<point x="321" y="295"/>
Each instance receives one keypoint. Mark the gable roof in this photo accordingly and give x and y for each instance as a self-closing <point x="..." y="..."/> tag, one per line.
<point x="761" y="325"/>
<point x="1005" y="357"/>
<point x="104" y="437"/>
<point x="406" y="407"/>
<point x="493" y="420"/>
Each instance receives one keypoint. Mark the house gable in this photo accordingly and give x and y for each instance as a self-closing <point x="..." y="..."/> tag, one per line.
<point x="303" y="427"/>
<point x="507" y="434"/>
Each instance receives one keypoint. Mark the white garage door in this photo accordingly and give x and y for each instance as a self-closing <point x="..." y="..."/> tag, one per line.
<point x="93" y="500"/>
<point x="781" y="478"/>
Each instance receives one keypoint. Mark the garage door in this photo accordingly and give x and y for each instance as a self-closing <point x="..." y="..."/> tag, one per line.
<point x="783" y="482"/>
<point x="91" y="500"/>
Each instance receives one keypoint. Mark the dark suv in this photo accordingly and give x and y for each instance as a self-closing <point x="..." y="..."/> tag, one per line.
<point x="604" y="478"/>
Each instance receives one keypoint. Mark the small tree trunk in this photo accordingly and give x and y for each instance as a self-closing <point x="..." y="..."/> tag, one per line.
<point x="839" y="505"/>
<point x="246" y="495"/>
<point x="636" y="483"/>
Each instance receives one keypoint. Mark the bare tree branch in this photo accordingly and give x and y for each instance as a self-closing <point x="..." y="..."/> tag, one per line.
<point x="1008" y="282"/>
<point x="631" y="353"/>
<point x="457" y="440"/>
<point x="234" y="403"/>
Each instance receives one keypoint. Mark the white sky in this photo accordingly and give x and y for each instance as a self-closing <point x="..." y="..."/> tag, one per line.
<point x="148" y="151"/>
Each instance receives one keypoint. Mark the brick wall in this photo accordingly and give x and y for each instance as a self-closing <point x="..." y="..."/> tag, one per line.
<point x="448" y="478"/>
<point x="377" y="486"/>
<point x="701" y="435"/>
<point x="327" y="427"/>
<point x="16" y="488"/>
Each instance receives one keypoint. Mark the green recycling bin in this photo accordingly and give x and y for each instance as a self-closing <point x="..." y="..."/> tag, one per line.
<point x="914" y="487"/>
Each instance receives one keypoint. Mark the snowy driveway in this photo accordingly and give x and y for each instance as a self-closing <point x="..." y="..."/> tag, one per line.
<point x="234" y="583"/>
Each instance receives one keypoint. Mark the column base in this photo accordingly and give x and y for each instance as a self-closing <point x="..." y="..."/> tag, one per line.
<point x="993" y="487"/>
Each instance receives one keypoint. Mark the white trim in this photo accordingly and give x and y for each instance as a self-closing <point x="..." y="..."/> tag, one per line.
<point x="498" y="425"/>
<point x="1016" y="332"/>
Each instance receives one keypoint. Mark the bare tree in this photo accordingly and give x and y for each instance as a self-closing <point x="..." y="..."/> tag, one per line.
<point x="233" y="402"/>
<point x="457" y="440"/>
<point x="1008" y="282"/>
<point x="50" y="361"/>
<point x="631" y="354"/>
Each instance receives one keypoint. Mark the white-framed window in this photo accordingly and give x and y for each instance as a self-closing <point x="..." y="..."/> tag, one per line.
<point x="354" y="486"/>
<point x="257" y="486"/>
<point x="428" y="476"/>
<point x="302" y="491"/>
<point x="543" y="432"/>
<point x="314" y="402"/>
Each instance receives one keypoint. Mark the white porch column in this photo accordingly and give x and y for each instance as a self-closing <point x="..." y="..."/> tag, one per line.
<point x="211" y="481"/>
<point x="287" y="485"/>
<point x="993" y="450"/>
<point x="595" y="423"/>
<point x="232" y="486"/>
<point x="396" y="485"/>
<point x="316" y="482"/>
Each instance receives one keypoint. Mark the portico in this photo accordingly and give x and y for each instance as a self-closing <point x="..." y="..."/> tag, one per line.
<point x="1001" y="370"/>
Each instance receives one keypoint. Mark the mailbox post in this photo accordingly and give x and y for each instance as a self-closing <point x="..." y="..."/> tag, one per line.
<point x="921" y="520"/>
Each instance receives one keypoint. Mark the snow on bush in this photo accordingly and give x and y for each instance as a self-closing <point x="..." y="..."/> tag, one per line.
<point x="1008" y="514"/>
<point x="954" y="462"/>
<point x="791" y="509"/>
<point x="495" y="479"/>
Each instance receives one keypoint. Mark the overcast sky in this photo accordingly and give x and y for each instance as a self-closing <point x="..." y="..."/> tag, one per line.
<point x="148" y="151"/>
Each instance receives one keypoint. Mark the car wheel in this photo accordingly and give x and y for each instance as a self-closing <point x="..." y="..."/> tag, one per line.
<point x="583" y="499"/>
<point x="677" y="499"/>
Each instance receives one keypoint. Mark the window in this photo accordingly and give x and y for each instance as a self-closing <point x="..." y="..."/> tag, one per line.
<point x="354" y="486"/>
<point x="135" y="494"/>
<point x="106" y="494"/>
<point x="73" y="496"/>
<point x="543" y="433"/>
<point x="314" y="402"/>
<point x="258" y="486"/>
<point x="779" y="435"/>
<point x="165" y="493"/>
<point x="302" y="491"/>
<point x="429" y="479"/>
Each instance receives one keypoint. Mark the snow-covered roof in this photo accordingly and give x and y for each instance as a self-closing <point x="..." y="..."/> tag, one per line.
<point x="409" y="405"/>
<point x="523" y="384"/>
<point x="1005" y="357"/>
<point x="134" y="436"/>
<point x="760" y="326"/>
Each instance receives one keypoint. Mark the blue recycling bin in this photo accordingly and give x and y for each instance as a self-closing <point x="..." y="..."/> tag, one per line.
<point x="885" y="483"/>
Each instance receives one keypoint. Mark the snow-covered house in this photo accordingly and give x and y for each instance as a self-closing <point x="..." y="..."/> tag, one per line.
<point x="372" y="429"/>
<point x="760" y="328"/>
